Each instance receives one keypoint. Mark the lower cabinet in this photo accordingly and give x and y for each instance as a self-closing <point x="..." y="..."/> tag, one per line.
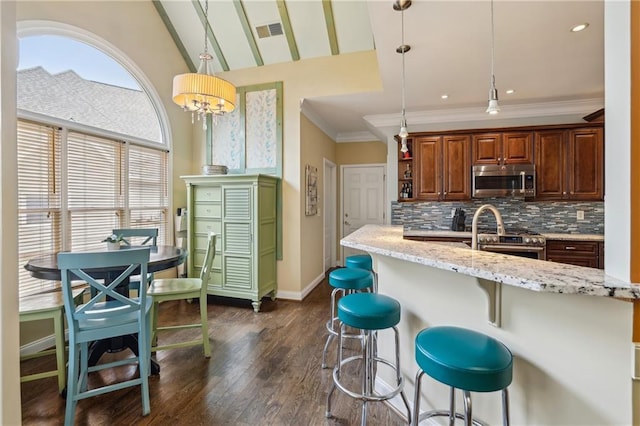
<point x="579" y="253"/>
<point x="241" y="210"/>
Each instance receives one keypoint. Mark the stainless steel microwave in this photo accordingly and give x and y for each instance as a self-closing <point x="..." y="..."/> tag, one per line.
<point x="510" y="180"/>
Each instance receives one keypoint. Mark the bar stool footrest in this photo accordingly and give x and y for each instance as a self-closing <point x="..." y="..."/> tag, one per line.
<point x="445" y="413"/>
<point x="366" y="397"/>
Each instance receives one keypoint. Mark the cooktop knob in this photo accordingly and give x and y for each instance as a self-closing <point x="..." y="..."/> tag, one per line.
<point x="528" y="240"/>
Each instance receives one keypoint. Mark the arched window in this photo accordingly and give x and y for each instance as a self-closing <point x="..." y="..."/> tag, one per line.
<point x="92" y="147"/>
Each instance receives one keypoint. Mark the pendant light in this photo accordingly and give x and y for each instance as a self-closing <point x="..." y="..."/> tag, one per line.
<point x="401" y="6"/>
<point x="493" y="107"/>
<point x="203" y="93"/>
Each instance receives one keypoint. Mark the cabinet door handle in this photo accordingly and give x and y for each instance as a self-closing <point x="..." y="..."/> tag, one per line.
<point x="569" y="248"/>
<point x="445" y="192"/>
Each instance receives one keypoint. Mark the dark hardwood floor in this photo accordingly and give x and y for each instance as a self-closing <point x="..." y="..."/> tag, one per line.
<point x="264" y="370"/>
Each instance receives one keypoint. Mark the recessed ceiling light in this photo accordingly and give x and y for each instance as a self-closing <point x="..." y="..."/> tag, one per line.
<point x="579" y="27"/>
<point x="510" y="92"/>
<point x="445" y="96"/>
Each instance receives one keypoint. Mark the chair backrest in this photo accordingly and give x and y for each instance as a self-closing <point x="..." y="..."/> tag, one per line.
<point x="150" y="235"/>
<point x="107" y="274"/>
<point x="209" y="255"/>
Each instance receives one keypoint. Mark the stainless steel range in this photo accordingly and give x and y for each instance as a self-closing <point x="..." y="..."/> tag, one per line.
<point x="515" y="242"/>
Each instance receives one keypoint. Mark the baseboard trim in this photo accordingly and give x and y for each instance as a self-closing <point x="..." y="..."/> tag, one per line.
<point x="396" y="404"/>
<point x="40" y="345"/>
<point x="300" y="295"/>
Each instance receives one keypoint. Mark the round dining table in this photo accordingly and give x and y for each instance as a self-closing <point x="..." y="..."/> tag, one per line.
<point x="161" y="257"/>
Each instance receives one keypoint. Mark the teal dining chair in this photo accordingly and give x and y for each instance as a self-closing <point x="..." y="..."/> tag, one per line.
<point x="137" y="237"/>
<point x="162" y="290"/>
<point x="109" y="313"/>
<point x="143" y="236"/>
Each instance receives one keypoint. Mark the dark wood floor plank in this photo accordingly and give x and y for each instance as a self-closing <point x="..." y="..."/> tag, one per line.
<point x="264" y="370"/>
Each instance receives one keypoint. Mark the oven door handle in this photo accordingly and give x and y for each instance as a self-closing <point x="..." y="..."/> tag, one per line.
<point x="529" y="249"/>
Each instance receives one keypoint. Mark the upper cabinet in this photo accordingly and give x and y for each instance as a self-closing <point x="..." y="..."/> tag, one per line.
<point x="443" y="167"/>
<point x="503" y="148"/>
<point x="569" y="161"/>
<point x="570" y="164"/>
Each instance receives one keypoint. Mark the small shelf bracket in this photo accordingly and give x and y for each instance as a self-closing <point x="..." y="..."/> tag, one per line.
<point x="494" y="297"/>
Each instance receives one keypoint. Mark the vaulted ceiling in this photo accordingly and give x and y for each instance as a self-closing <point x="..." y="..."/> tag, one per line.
<point x="536" y="54"/>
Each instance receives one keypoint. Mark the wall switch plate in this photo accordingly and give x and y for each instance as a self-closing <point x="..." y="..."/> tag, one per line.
<point x="580" y="215"/>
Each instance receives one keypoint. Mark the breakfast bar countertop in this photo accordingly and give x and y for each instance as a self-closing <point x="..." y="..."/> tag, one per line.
<point x="535" y="275"/>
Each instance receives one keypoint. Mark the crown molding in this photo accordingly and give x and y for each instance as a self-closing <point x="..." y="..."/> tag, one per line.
<point x="313" y="116"/>
<point x="514" y="111"/>
<point x="362" y="136"/>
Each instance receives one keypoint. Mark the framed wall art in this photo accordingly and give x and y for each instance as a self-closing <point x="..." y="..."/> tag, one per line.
<point x="311" y="179"/>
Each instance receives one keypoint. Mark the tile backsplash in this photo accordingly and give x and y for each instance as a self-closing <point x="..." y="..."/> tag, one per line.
<point x="544" y="217"/>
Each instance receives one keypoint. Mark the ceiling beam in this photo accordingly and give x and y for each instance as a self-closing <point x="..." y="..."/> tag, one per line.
<point x="174" y="35"/>
<point x="288" y="30"/>
<point x="331" y="26"/>
<point x="246" y="27"/>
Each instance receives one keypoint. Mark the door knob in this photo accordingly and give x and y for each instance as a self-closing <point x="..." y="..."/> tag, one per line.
<point x="347" y="223"/>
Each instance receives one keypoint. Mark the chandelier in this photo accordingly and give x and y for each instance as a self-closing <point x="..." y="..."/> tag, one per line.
<point x="203" y="93"/>
<point x="401" y="5"/>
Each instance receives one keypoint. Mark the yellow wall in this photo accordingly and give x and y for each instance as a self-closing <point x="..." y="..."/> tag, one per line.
<point x="361" y="153"/>
<point x="335" y="75"/>
<point x="316" y="146"/>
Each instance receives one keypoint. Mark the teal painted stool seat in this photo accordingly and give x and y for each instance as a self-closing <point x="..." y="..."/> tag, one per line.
<point x="362" y="261"/>
<point x="351" y="278"/>
<point x="370" y="313"/>
<point x="466" y="360"/>
<point x="344" y="281"/>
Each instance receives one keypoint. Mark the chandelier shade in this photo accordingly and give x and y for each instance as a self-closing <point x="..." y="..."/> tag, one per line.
<point x="204" y="93"/>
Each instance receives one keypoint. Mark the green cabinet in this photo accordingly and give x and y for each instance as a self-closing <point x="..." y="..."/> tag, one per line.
<point x="241" y="210"/>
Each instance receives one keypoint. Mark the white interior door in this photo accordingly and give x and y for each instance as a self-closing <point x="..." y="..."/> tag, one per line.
<point x="330" y="199"/>
<point x="363" y="199"/>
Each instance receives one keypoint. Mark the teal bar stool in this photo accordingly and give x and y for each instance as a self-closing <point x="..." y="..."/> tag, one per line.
<point x="465" y="360"/>
<point x="369" y="312"/>
<point x="362" y="261"/>
<point x="344" y="281"/>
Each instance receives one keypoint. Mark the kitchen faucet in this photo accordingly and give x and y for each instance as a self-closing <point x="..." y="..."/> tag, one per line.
<point x="474" y="224"/>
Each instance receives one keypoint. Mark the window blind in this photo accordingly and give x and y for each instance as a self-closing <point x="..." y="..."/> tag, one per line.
<point x="148" y="190"/>
<point x="105" y="184"/>
<point x="95" y="192"/>
<point x="39" y="205"/>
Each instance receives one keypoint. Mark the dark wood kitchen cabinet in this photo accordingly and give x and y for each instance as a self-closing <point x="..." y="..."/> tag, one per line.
<point x="443" y="168"/>
<point x="503" y="148"/>
<point x="570" y="164"/>
<point x="579" y="253"/>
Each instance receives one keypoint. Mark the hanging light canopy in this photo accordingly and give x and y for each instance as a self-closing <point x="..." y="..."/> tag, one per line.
<point x="493" y="107"/>
<point x="401" y="6"/>
<point x="203" y="93"/>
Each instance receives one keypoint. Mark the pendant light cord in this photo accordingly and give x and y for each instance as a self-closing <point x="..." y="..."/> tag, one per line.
<point x="403" y="68"/>
<point x="493" y="76"/>
<point x="206" y="23"/>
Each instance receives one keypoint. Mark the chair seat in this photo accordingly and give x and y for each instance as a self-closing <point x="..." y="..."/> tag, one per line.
<point x="464" y="359"/>
<point x="362" y="261"/>
<point x="369" y="311"/>
<point x="174" y="286"/>
<point x="99" y="310"/>
<point x="351" y="278"/>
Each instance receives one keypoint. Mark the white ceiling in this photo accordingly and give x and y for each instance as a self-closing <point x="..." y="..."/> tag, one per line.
<point x="553" y="71"/>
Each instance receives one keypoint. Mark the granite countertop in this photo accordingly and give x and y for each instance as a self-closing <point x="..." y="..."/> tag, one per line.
<point x="531" y="274"/>
<point x="467" y="234"/>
